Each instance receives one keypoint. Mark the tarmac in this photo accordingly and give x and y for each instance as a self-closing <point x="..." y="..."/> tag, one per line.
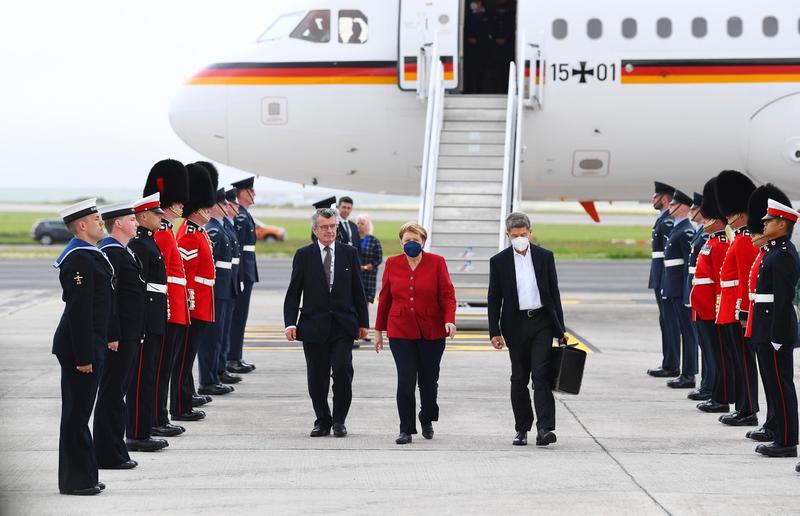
<point x="626" y="444"/>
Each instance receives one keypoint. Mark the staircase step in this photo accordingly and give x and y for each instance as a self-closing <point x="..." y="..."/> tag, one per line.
<point x="468" y="279"/>
<point x="486" y="227"/>
<point x="471" y="149"/>
<point x="482" y="175"/>
<point x="468" y="267"/>
<point x="466" y="252"/>
<point x="471" y="162"/>
<point x="462" y="240"/>
<point x="476" y="101"/>
<point x="467" y="200"/>
<point x="471" y="115"/>
<point x="475" y="136"/>
<point x="458" y="125"/>
<point x="469" y="213"/>
<point x="469" y="187"/>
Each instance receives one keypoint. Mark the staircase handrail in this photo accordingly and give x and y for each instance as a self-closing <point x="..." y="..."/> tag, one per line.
<point x="509" y="154"/>
<point x="430" y="157"/>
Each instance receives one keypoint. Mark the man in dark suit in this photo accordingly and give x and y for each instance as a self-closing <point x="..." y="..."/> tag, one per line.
<point x="326" y="274"/>
<point x="525" y="314"/>
<point x="347" y="232"/>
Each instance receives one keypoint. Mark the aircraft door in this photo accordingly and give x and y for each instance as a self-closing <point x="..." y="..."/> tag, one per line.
<point x="421" y="22"/>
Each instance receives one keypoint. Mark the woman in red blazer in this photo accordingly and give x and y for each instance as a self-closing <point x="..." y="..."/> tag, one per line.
<point x="417" y="309"/>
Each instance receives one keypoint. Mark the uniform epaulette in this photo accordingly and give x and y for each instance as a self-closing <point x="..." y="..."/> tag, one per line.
<point x="723" y="238"/>
<point x="212" y="232"/>
<point x="669" y="222"/>
<point x="190" y="228"/>
<point x="689" y="232"/>
<point x="165" y="225"/>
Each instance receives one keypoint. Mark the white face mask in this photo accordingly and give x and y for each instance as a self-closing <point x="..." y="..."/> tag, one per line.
<point x="520" y="243"/>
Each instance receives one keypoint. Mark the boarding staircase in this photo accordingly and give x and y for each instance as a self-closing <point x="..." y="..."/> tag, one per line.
<point x="469" y="183"/>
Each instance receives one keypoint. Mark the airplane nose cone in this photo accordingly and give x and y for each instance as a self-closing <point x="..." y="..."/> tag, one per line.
<point x="198" y="115"/>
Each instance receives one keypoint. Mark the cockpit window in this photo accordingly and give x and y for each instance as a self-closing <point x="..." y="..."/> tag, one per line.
<point x="352" y="27"/>
<point x="315" y="27"/>
<point x="281" y="27"/>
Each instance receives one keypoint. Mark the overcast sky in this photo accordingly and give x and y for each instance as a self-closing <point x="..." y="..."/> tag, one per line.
<point x="86" y="84"/>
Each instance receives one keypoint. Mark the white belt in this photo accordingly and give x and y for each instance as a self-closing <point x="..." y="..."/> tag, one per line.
<point x="751" y="296"/>
<point x="223" y="265"/>
<point x="692" y="270"/>
<point x="235" y="261"/>
<point x="204" y="281"/>
<point x="764" y="298"/>
<point x="702" y="281"/>
<point x="157" y="287"/>
<point x="249" y="248"/>
<point x="176" y="280"/>
<point x="658" y="254"/>
<point x="728" y="284"/>
<point x="674" y="262"/>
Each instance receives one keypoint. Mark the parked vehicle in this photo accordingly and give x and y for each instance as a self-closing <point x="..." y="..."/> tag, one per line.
<point x="269" y="233"/>
<point x="47" y="232"/>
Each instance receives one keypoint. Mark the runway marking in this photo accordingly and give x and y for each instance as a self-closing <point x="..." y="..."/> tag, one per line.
<point x="272" y="338"/>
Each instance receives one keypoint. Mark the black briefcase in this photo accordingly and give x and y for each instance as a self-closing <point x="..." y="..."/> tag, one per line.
<point x="566" y="368"/>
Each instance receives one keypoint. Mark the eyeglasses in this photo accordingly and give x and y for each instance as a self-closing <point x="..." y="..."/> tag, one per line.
<point x="327" y="227"/>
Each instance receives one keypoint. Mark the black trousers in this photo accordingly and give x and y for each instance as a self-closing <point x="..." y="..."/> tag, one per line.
<point x="764" y="355"/>
<point x="670" y="333"/>
<point x="686" y="335"/>
<point x="141" y="390"/>
<point x="725" y="380"/>
<point x="530" y="360"/>
<point x="167" y="353"/>
<point x="77" y="462"/>
<point x="239" y="322"/>
<point x="182" y="384"/>
<point x="210" y="346"/>
<point x="707" y="338"/>
<point x="417" y="363"/>
<point x="333" y="357"/>
<point x="110" y="413"/>
<point x="780" y="374"/>
<point x="742" y="357"/>
<point x="225" y="324"/>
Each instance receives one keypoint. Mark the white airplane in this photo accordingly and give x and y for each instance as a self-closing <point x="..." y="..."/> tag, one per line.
<point x="618" y="93"/>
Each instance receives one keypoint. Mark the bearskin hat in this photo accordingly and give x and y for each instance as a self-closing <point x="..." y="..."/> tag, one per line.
<point x="709" y="209"/>
<point x="202" y="193"/>
<point x="212" y="171"/>
<point x="168" y="177"/>
<point x="733" y="192"/>
<point x="757" y="205"/>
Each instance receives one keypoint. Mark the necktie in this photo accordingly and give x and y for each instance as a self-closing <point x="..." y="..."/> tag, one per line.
<point x="326" y="265"/>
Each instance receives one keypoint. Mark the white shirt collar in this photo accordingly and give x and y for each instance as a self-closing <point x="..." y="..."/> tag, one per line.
<point x="322" y="247"/>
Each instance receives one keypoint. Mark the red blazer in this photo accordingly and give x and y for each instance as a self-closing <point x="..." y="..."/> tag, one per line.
<point x="751" y="286"/>
<point x="705" y="284"/>
<point x="734" y="300"/>
<point x="416" y="304"/>
<point x="198" y="263"/>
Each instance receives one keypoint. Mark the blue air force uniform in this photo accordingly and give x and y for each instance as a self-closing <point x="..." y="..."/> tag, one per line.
<point x="697" y="244"/>
<point x="248" y="275"/>
<point x="666" y="320"/>
<point x="230" y="230"/>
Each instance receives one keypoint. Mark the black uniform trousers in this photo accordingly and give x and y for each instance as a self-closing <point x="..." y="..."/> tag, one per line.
<point x="764" y="355"/>
<point x="725" y="381"/>
<point x="209" y="347"/>
<point x="707" y="339"/>
<point x="182" y="384"/>
<point x="670" y="333"/>
<point x="77" y="462"/>
<point x="239" y="322"/>
<point x="110" y="413"/>
<point x="741" y="357"/>
<point x="225" y="324"/>
<point x="530" y="360"/>
<point x="780" y="375"/>
<point x="333" y="357"/>
<point x="141" y="389"/>
<point x="417" y="363"/>
<point x="165" y="365"/>
<point x="687" y="336"/>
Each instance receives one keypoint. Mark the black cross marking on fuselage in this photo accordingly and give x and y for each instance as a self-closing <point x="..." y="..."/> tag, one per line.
<point x="583" y="72"/>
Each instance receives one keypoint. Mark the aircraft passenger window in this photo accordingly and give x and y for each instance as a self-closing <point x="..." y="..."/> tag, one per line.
<point x="352" y="27"/>
<point x="629" y="28"/>
<point x="664" y="27"/>
<point x="315" y="27"/>
<point x="560" y="28"/>
<point x="699" y="27"/>
<point x="281" y="27"/>
<point x="734" y="26"/>
<point x="770" y="26"/>
<point x="594" y="28"/>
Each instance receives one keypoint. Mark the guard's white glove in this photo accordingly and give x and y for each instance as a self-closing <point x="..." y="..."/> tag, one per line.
<point x="191" y="298"/>
<point x="776" y="346"/>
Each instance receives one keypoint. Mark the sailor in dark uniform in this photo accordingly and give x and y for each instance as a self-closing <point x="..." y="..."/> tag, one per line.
<point x="80" y="343"/>
<point x="670" y="334"/>
<point x="125" y="334"/>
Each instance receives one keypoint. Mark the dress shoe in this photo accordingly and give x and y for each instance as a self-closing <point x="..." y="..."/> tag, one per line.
<point x="228" y="378"/>
<point x="712" y="406"/>
<point x="199" y="401"/>
<point x="776" y="450"/>
<point x="427" y="430"/>
<point x="167" y="430"/>
<point x="732" y="415"/>
<point x="339" y="430"/>
<point x="521" y="439"/>
<point x="740" y="419"/>
<point x="236" y="366"/>
<point x="192" y="415"/>
<point x="215" y="389"/>
<point x="763" y="435"/>
<point x="403" y="438"/>
<point x="797" y="467"/>
<point x="247" y="364"/>
<point x="128" y="464"/>
<point x="146" y="445"/>
<point x="684" y="381"/>
<point x="320" y="431"/>
<point x="356" y="345"/>
<point x="660" y="372"/>
<point x="546" y="437"/>
<point x="699" y="395"/>
<point x="89" y="491"/>
<point x="101" y="486"/>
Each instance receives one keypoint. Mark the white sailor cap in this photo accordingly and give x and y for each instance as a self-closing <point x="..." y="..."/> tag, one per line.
<point x="78" y="210"/>
<point x="149" y="203"/>
<point x="112" y="211"/>
<point x="776" y="210"/>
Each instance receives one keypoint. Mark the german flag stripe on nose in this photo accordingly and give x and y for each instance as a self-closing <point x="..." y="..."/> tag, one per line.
<point x="710" y="71"/>
<point x="334" y="72"/>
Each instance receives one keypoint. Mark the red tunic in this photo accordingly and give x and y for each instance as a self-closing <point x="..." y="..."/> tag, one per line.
<point x="198" y="262"/>
<point x="752" y="287"/>
<point x="416" y="304"/>
<point x="705" y="284"/>
<point x="734" y="276"/>
<point x="177" y="299"/>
